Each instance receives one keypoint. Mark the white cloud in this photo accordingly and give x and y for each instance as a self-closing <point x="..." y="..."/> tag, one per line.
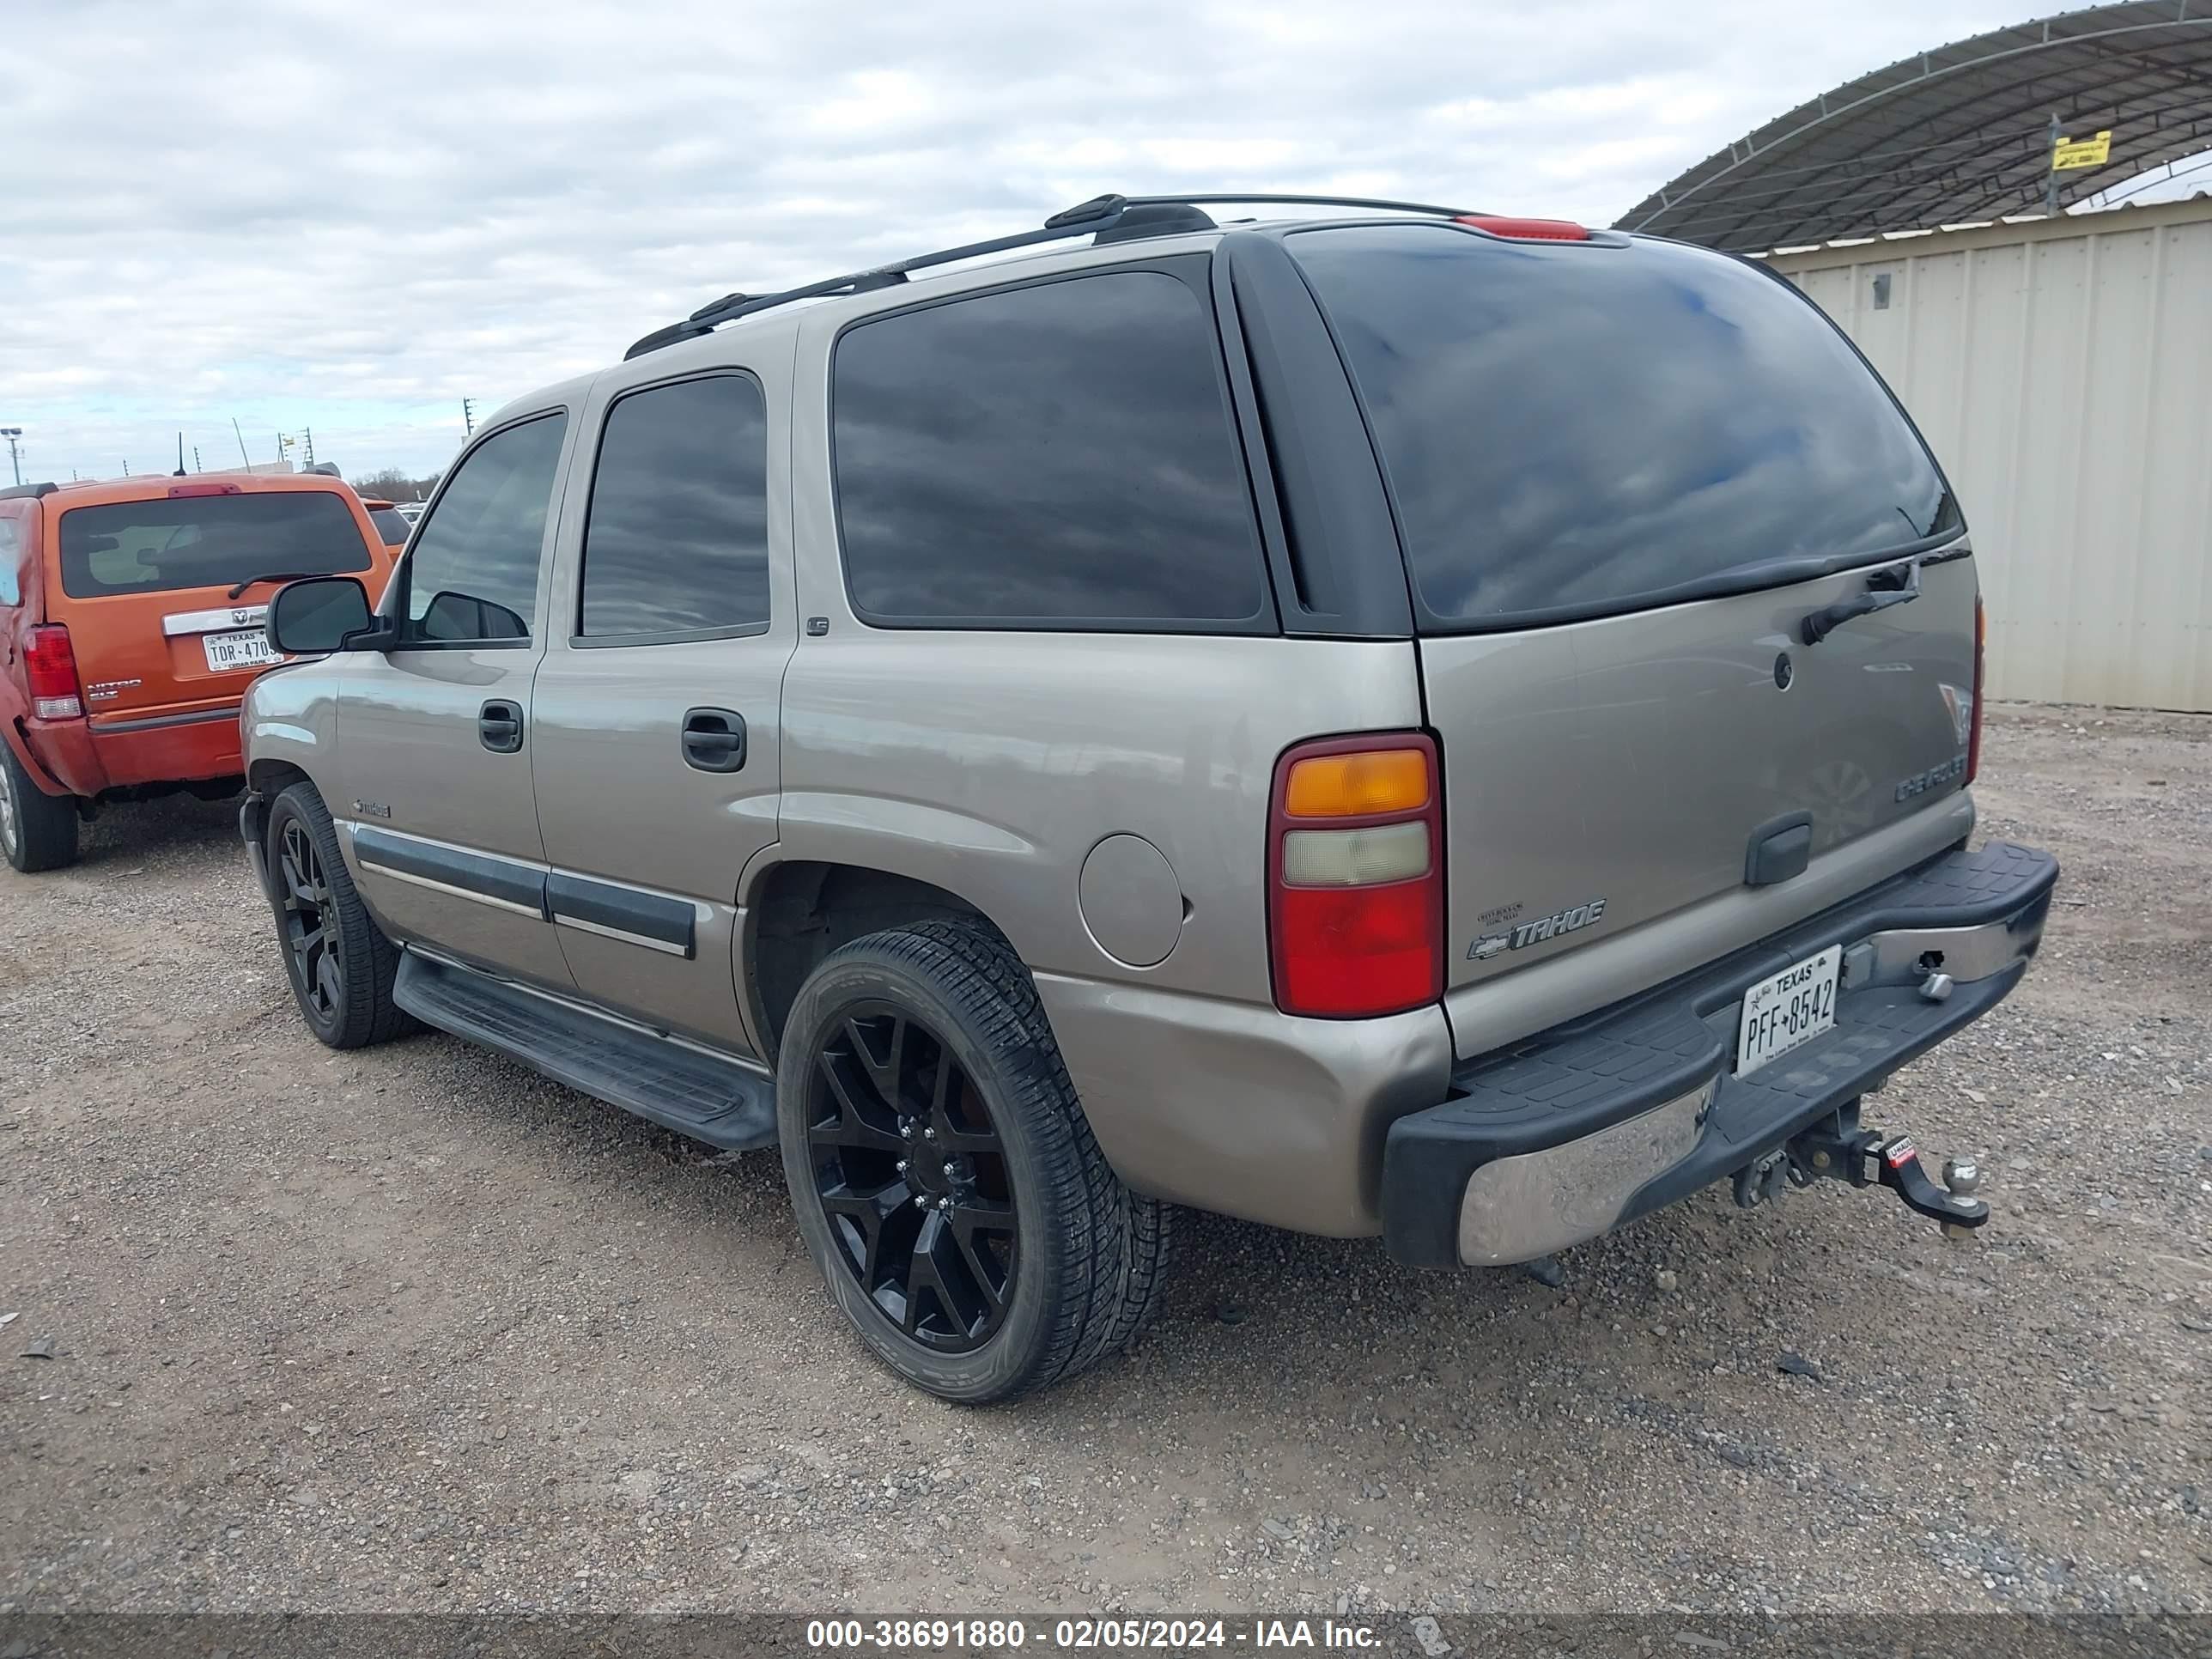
<point x="348" y="217"/>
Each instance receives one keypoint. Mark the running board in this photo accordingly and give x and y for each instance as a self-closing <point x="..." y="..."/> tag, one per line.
<point x="723" y="1102"/>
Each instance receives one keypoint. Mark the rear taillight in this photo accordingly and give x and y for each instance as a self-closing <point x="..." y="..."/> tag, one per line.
<point x="50" y="665"/>
<point x="1526" y="230"/>
<point x="1355" y="872"/>
<point x="1981" y="654"/>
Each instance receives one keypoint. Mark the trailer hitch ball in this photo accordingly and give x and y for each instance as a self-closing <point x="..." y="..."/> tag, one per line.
<point x="1962" y="1177"/>
<point x="1843" y="1151"/>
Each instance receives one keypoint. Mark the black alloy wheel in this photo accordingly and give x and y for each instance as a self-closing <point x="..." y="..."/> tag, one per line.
<point x="912" y="1178"/>
<point x="339" y="963"/>
<point x="310" y="922"/>
<point x="944" y="1176"/>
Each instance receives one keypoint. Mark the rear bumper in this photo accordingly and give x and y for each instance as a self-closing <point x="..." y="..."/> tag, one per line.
<point x="1569" y="1135"/>
<point x="89" y="758"/>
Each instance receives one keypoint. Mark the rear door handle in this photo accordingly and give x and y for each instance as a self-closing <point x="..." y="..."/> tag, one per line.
<point x="713" y="741"/>
<point x="499" y="726"/>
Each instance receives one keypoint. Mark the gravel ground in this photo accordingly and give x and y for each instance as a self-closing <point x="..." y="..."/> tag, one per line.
<point x="414" y="1329"/>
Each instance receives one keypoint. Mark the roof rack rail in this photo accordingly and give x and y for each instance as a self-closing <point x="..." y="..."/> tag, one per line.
<point x="1110" y="218"/>
<point x="19" y="492"/>
<point x="1297" y="199"/>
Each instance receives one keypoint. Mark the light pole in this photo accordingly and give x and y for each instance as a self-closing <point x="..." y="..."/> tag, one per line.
<point x="12" y="433"/>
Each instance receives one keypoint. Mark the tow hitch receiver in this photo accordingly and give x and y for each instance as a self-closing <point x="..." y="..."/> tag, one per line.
<point x="1842" y="1150"/>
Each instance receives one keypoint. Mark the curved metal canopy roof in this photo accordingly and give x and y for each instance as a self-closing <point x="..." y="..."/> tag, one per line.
<point x="1958" y="133"/>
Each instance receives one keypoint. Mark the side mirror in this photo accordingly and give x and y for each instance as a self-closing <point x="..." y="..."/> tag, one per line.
<point x="322" y="614"/>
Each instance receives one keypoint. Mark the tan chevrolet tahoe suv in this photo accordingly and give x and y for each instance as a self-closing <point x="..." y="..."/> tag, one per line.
<point x="1373" y="719"/>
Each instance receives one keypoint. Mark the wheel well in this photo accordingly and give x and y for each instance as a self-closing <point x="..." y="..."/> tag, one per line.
<point x="805" y="910"/>
<point x="271" y="777"/>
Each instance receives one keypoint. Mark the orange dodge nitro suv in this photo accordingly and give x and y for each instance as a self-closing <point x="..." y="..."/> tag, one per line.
<point x="130" y="624"/>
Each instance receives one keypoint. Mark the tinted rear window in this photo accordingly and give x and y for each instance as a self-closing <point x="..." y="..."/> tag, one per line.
<point x="1582" y="426"/>
<point x="675" y="541"/>
<point x="1059" y="455"/>
<point x="391" y="525"/>
<point x="207" y="541"/>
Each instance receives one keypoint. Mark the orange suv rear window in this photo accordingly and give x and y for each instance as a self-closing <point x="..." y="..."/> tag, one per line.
<point x="207" y="541"/>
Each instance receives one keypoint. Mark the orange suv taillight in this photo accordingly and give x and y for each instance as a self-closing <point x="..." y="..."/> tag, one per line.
<point x="50" y="667"/>
<point x="1355" y="875"/>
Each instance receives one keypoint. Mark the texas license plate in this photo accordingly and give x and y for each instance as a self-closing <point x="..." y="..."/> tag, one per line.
<point x="1793" y="1007"/>
<point x="247" y="649"/>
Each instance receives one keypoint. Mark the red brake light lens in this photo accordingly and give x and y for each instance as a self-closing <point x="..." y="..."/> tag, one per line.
<point x="1981" y="652"/>
<point x="176" y="491"/>
<point x="1357" y="906"/>
<point x="1526" y="230"/>
<point x="49" y="668"/>
<point x="1346" y="951"/>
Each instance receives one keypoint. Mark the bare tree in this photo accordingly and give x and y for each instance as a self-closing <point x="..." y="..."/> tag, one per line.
<point x="391" y="485"/>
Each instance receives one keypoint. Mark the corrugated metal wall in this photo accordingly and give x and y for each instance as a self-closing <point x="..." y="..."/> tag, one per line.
<point x="2063" y="372"/>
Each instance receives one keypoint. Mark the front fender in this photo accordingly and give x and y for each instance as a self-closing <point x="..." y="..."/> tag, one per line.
<point x="287" y="721"/>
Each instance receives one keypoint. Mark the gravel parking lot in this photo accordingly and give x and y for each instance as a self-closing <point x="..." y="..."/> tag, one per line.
<point x="415" y="1328"/>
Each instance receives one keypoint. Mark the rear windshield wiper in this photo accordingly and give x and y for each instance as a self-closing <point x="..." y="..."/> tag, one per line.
<point x="1897" y="585"/>
<point x="273" y="576"/>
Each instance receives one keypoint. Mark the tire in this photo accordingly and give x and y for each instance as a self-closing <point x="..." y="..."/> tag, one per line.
<point x="1079" y="1261"/>
<point x="338" y="961"/>
<point x="37" y="831"/>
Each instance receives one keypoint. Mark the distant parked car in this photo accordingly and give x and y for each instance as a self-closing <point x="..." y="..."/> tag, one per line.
<point x="129" y="631"/>
<point x="393" y="522"/>
<point x="410" y="511"/>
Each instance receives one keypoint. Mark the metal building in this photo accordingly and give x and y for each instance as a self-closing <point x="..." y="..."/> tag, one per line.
<point x="2061" y="366"/>
<point x="2062" y="369"/>
<point x="1962" y="131"/>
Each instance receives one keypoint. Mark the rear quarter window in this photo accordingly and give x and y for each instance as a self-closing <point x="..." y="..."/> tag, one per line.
<point x="171" y="543"/>
<point x="11" y="560"/>
<point x="391" y="527"/>
<point x="1059" y="455"/>
<point x="1583" y="428"/>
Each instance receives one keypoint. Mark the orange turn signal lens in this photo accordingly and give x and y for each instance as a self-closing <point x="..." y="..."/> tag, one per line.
<point x="1356" y="785"/>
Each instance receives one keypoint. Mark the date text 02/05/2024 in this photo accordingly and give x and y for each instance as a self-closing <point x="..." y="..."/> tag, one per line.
<point x="1007" y="1635"/>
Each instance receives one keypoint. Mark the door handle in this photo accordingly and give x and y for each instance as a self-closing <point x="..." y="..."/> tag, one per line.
<point x="499" y="726"/>
<point x="713" y="741"/>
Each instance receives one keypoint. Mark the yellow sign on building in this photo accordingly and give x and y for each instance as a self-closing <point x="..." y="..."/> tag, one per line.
<point x="2082" y="152"/>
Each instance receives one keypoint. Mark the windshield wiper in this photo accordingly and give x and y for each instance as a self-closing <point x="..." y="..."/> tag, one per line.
<point x="1898" y="584"/>
<point x="273" y="576"/>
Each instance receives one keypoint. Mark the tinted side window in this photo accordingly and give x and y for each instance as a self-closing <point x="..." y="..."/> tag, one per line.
<point x="11" y="555"/>
<point x="1589" y="427"/>
<point x="1057" y="454"/>
<point x="472" y="571"/>
<point x="675" y="541"/>
<point x="391" y="527"/>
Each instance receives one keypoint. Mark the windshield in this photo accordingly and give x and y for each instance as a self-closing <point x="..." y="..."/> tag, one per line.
<point x="1583" y="427"/>
<point x="206" y="541"/>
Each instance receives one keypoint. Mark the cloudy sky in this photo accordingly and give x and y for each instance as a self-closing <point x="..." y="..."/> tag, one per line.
<point x="348" y="214"/>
